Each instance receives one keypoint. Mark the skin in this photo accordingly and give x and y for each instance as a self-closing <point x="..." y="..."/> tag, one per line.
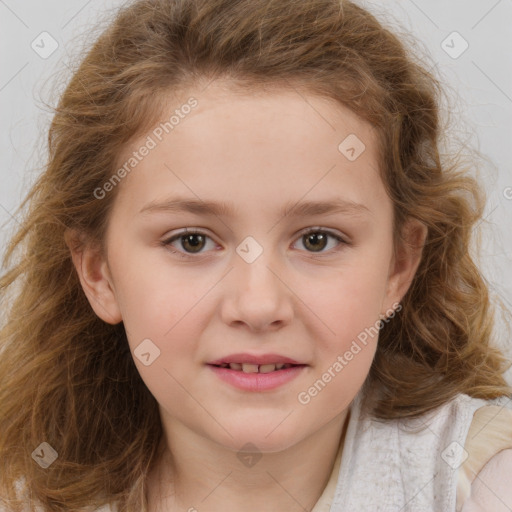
<point x="258" y="151"/>
<point x="491" y="490"/>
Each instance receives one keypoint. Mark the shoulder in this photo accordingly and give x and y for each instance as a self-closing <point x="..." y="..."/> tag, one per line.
<point x="491" y="490"/>
<point x="487" y="473"/>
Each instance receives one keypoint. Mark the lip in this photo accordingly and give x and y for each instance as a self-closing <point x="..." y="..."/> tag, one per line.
<point x="257" y="381"/>
<point x="255" y="359"/>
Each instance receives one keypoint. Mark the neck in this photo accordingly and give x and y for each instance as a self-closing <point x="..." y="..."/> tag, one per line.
<point x="202" y="475"/>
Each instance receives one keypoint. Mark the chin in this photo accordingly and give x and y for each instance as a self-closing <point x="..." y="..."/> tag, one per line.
<point x="264" y="437"/>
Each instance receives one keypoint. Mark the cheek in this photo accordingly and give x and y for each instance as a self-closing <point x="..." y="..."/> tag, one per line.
<point x="348" y="301"/>
<point x="153" y="295"/>
<point x="162" y="305"/>
<point x="350" y="313"/>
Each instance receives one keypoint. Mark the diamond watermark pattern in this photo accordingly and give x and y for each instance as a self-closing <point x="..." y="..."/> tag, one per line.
<point x="249" y="249"/>
<point x="45" y="455"/>
<point x="454" y="455"/>
<point x="44" y="45"/>
<point x="352" y="147"/>
<point x="454" y="45"/>
<point x="147" y="352"/>
<point x="249" y="459"/>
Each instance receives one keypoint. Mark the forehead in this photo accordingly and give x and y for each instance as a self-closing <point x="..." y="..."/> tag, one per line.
<point x="274" y="145"/>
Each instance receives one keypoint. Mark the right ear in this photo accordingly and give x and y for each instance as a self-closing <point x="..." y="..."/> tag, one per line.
<point x="94" y="275"/>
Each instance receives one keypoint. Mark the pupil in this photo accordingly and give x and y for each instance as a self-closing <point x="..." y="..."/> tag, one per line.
<point x="315" y="237"/>
<point x="189" y="239"/>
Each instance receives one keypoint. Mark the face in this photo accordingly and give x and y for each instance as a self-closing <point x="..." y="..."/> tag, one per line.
<point x="252" y="282"/>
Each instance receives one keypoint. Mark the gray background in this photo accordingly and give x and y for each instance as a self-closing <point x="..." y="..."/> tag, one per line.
<point x="478" y="82"/>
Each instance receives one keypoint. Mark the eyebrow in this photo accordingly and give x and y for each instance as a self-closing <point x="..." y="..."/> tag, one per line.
<point x="225" y="209"/>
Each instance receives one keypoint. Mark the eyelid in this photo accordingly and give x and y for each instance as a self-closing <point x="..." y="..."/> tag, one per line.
<point x="166" y="242"/>
<point x="329" y="231"/>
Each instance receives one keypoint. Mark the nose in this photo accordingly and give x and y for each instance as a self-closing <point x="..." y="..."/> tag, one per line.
<point x="257" y="295"/>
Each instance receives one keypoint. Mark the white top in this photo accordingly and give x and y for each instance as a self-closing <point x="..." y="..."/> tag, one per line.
<point x="425" y="464"/>
<point x="404" y="465"/>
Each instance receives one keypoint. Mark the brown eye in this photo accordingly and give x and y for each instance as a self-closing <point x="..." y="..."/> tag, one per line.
<point x="188" y="242"/>
<point x="316" y="240"/>
<point x="193" y="243"/>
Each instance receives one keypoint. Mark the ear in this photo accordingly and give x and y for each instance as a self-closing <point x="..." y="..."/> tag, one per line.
<point x="404" y="263"/>
<point x="94" y="275"/>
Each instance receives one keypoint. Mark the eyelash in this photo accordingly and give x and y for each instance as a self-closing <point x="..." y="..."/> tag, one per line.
<point x="167" y="243"/>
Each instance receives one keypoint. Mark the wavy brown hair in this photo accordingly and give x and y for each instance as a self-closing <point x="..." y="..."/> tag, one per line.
<point x="69" y="379"/>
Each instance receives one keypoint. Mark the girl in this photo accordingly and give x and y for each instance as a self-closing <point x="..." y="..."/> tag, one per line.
<point x="244" y="281"/>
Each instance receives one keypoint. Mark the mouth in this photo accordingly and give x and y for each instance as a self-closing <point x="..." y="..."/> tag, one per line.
<point x="256" y="368"/>
<point x="257" y="372"/>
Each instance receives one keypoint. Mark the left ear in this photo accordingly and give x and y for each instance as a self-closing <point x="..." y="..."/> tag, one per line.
<point x="405" y="262"/>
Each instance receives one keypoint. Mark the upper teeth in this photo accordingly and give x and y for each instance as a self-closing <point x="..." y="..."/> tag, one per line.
<point x="254" y="368"/>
